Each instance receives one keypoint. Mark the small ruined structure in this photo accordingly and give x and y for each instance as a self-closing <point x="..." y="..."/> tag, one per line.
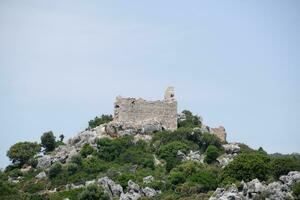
<point x="140" y="111"/>
<point x="220" y="132"/>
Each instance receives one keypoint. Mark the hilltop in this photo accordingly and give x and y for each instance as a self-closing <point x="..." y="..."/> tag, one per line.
<point x="147" y="151"/>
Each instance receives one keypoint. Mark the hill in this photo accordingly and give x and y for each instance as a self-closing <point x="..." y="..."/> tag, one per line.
<point x="187" y="163"/>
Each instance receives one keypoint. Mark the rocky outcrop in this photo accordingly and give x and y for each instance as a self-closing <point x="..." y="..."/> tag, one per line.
<point x="64" y="153"/>
<point x="291" y="178"/>
<point x="191" y="156"/>
<point x="134" y="192"/>
<point x="121" y="128"/>
<point x="148" y="179"/>
<point x="231" y="193"/>
<point x="41" y="175"/>
<point x="279" y="190"/>
<point x="110" y="186"/>
<point x="231" y="150"/>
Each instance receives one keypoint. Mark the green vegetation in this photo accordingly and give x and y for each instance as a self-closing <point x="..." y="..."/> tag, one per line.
<point x="296" y="190"/>
<point x="247" y="167"/>
<point x="22" y="152"/>
<point x="93" y="192"/>
<point x="191" y="120"/>
<point x="124" y="158"/>
<point x="99" y="120"/>
<point x="48" y="141"/>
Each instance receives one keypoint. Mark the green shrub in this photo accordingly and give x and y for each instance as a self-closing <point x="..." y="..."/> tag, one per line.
<point x="72" y="168"/>
<point x="48" y="141"/>
<point x="100" y="120"/>
<point x="169" y="151"/>
<point x="134" y="156"/>
<point x="32" y="187"/>
<point x="55" y="169"/>
<point x="86" y="150"/>
<point x="248" y="166"/>
<point x="212" y="154"/>
<point x="209" y="139"/>
<point x="123" y="179"/>
<point x="110" y="149"/>
<point x="206" y="179"/>
<point x="93" y="192"/>
<point x="191" y="120"/>
<point x="283" y="165"/>
<point x="22" y="152"/>
<point x="176" y="177"/>
<point x="94" y="165"/>
<point x="296" y="190"/>
<point x="77" y="159"/>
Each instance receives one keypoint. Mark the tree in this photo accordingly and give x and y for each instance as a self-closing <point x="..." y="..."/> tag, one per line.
<point x="100" y="120"/>
<point x="283" y="165"/>
<point x="61" y="137"/>
<point x="248" y="167"/>
<point x="55" y="169"/>
<point x="212" y="154"/>
<point x="93" y="192"/>
<point x="169" y="151"/>
<point x="22" y="152"/>
<point x="190" y="121"/>
<point x="48" y="141"/>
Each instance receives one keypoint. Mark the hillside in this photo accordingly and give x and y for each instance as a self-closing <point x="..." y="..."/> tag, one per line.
<point x="147" y="163"/>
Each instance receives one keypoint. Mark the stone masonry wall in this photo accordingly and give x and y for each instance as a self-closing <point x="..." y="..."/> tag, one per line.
<point x="139" y="110"/>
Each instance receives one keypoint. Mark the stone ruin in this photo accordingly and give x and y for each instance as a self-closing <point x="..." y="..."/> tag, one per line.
<point x="138" y="116"/>
<point x="133" y="115"/>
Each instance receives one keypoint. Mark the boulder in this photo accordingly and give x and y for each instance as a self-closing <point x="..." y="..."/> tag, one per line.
<point x="149" y="192"/>
<point x="231" y="148"/>
<point x="26" y="169"/>
<point x="291" y="178"/>
<point x="130" y="196"/>
<point x="132" y="186"/>
<point x="110" y="186"/>
<point x="41" y="175"/>
<point x="44" y="162"/>
<point x="254" y="186"/>
<point x="148" y="179"/>
<point x="230" y="193"/>
<point x="191" y="156"/>
<point x="87" y="183"/>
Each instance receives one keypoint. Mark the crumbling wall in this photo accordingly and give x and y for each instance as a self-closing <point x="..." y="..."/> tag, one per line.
<point x="139" y="110"/>
<point x="220" y="132"/>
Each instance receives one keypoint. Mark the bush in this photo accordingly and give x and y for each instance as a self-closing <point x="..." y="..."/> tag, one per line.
<point x="177" y="177"/>
<point x="93" y="192"/>
<point x="248" y="167"/>
<point x="123" y="179"/>
<point x="77" y="159"/>
<point x="22" y="152"/>
<point x="206" y="179"/>
<point x="169" y="151"/>
<point x="100" y="120"/>
<point x="48" y="141"/>
<point x="94" y="165"/>
<point x="191" y="120"/>
<point x="55" y="169"/>
<point x="72" y="168"/>
<point x="209" y="139"/>
<point x="296" y="190"/>
<point x="134" y="156"/>
<point x="109" y="149"/>
<point x="86" y="150"/>
<point x="212" y="154"/>
<point x="283" y="165"/>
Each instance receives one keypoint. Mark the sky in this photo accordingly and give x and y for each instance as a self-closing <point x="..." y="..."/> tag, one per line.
<point x="234" y="63"/>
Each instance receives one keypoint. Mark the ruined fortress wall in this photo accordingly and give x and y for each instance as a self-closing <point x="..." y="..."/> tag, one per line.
<point x="139" y="110"/>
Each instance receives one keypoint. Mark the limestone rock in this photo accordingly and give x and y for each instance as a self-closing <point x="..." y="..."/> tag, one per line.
<point x="148" y="179"/>
<point x="149" y="192"/>
<point x="130" y="196"/>
<point x="110" y="186"/>
<point x="231" y="148"/>
<point x="132" y="186"/>
<point x="41" y="175"/>
<point x="191" y="156"/>
<point x="44" y="162"/>
<point x="26" y="169"/>
<point x="291" y="178"/>
<point x="231" y="193"/>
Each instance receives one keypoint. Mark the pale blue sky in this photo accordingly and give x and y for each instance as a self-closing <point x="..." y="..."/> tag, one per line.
<point x="235" y="63"/>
